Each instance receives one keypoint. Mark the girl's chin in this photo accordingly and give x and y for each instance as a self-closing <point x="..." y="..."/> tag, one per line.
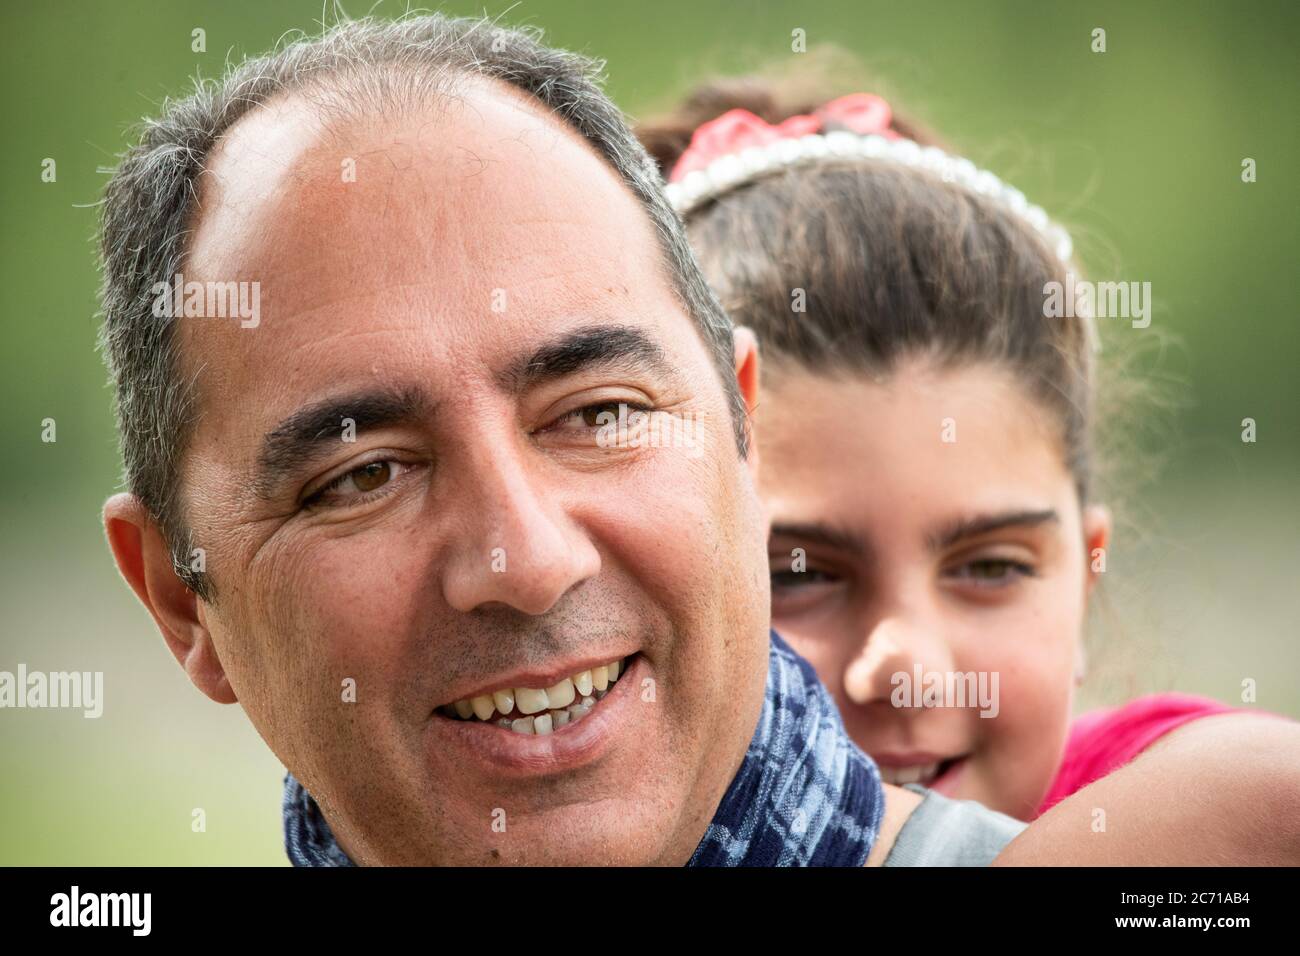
<point x="960" y="782"/>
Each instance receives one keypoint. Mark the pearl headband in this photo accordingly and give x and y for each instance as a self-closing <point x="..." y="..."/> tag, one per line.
<point x="734" y="170"/>
<point x="738" y="147"/>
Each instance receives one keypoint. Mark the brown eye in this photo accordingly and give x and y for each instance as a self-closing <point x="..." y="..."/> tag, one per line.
<point x="992" y="572"/>
<point x="371" y="476"/>
<point x="990" y="569"/>
<point x="591" y="415"/>
<point x="353" y="486"/>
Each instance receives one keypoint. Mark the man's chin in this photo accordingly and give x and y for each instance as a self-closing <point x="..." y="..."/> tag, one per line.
<point x="573" y="796"/>
<point x="634" y="827"/>
<point x="608" y="833"/>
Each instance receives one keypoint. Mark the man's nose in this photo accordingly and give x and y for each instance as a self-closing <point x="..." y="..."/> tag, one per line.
<point x="895" y="643"/>
<point x="520" y="547"/>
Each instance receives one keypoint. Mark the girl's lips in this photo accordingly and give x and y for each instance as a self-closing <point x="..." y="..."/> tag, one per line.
<point x="918" y="767"/>
<point x="910" y="759"/>
<point x="947" y="781"/>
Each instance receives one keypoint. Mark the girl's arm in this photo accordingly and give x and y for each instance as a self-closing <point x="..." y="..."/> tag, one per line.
<point x="1220" y="791"/>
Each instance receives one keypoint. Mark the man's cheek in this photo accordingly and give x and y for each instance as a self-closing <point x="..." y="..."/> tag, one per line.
<point x="349" y="585"/>
<point x="349" y="647"/>
<point x="311" y="640"/>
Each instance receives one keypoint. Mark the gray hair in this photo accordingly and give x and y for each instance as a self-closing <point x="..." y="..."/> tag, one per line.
<point x="150" y="205"/>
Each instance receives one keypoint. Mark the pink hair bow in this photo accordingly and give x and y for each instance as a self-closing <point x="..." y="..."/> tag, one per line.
<point x="738" y="130"/>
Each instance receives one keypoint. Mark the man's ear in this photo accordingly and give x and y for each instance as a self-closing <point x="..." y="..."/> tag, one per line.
<point x="143" y="558"/>
<point x="1097" y="526"/>
<point x="746" y="345"/>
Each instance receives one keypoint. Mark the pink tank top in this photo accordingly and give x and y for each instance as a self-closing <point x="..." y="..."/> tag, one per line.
<point x="1104" y="740"/>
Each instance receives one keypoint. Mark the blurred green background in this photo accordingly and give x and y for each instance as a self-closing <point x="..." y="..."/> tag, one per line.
<point x="1138" y="150"/>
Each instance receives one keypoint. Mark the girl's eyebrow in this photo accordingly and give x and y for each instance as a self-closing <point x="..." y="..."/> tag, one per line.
<point x="818" y="533"/>
<point x="969" y="527"/>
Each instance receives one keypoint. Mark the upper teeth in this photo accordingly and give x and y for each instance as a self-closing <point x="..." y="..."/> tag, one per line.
<point x="540" y="710"/>
<point x="921" y="773"/>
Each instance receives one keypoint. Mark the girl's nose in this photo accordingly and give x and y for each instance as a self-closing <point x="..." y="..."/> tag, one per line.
<point x="896" y="644"/>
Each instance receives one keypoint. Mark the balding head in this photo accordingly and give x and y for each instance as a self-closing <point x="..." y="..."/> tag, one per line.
<point x="358" y="69"/>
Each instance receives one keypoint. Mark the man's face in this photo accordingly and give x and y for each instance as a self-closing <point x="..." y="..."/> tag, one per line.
<point x="398" y="483"/>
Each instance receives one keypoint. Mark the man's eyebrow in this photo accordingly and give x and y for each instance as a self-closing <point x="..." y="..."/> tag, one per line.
<point x="308" y="432"/>
<point x="823" y="534"/>
<point x="588" y="347"/>
<point x="961" y="528"/>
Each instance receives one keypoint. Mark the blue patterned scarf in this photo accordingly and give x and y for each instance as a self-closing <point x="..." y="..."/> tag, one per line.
<point x="805" y="795"/>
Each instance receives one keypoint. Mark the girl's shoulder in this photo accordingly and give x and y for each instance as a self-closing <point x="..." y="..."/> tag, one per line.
<point x="1105" y="739"/>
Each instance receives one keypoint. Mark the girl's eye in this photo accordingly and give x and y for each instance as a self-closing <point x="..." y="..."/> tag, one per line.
<point x="785" y="579"/>
<point x="991" y="572"/>
<point x="355" y="484"/>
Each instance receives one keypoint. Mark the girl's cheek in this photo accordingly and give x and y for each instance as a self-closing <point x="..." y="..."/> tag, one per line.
<point x="1026" y="660"/>
<point x="1047" y="694"/>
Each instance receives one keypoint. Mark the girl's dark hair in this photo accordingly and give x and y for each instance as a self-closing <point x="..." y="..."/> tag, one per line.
<point x="888" y="261"/>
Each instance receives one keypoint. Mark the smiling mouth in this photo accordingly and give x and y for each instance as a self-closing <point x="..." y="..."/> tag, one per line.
<point x="540" y="710"/>
<point x="924" y="774"/>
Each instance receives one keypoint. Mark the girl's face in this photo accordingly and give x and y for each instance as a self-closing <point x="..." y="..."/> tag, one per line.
<point x="930" y="558"/>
